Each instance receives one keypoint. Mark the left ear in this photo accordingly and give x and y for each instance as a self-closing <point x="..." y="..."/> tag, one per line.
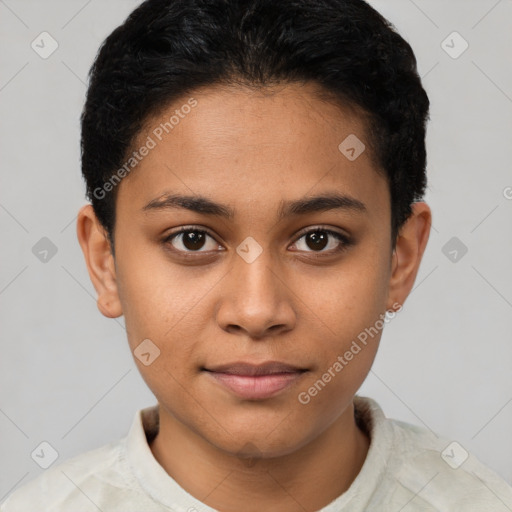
<point x="410" y="246"/>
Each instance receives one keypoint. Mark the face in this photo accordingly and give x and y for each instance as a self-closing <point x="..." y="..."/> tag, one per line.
<point x="265" y="282"/>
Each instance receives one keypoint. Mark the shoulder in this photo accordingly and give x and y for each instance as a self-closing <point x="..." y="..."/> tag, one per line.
<point x="431" y="472"/>
<point x="74" y="480"/>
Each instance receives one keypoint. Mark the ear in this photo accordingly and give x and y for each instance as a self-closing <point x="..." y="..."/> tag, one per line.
<point x="410" y="246"/>
<point x="100" y="261"/>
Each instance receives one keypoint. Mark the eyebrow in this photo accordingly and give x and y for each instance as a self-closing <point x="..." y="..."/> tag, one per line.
<point x="205" y="206"/>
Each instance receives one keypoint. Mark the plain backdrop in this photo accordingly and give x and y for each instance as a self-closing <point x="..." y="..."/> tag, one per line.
<point x="67" y="376"/>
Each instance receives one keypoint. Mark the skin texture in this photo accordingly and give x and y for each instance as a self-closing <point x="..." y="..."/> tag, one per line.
<point x="251" y="150"/>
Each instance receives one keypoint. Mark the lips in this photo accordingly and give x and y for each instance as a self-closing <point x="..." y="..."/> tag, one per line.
<point x="255" y="382"/>
<point x="249" y="369"/>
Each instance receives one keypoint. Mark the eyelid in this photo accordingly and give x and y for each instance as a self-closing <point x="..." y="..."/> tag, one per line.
<point x="190" y="227"/>
<point x="320" y="227"/>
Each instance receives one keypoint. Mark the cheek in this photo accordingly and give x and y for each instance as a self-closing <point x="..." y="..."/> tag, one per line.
<point x="347" y="299"/>
<point x="171" y="306"/>
<point x="346" y="341"/>
<point x="150" y="297"/>
<point x="345" y="316"/>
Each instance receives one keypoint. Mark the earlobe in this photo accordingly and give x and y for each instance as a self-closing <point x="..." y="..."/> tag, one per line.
<point x="99" y="260"/>
<point x="410" y="246"/>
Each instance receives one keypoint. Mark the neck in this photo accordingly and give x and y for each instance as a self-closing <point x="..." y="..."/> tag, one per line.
<point x="307" y="479"/>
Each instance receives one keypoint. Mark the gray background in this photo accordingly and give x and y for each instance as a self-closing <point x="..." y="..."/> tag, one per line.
<point x="66" y="374"/>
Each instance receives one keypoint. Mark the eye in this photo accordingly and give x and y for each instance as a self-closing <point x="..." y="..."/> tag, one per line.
<point x="190" y="239"/>
<point x="318" y="238"/>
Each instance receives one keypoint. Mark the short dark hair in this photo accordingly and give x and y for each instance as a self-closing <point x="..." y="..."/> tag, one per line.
<point x="166" y="49"/>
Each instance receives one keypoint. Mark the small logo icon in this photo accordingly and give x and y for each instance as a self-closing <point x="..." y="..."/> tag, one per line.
<point x="146" y="352"/>
<point x="455" y="45"/>
<point x="44" y="250"/>
<point x="454" y="455"/>
<point x="44" y="455"/>
<point x="249" y="249"/>
<point x="44" y="45"/>
<point x="352" y="147"/>
<point x="454" y="249"/>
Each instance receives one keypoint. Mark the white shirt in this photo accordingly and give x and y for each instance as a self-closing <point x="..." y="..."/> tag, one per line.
<point x="403" y="471"/>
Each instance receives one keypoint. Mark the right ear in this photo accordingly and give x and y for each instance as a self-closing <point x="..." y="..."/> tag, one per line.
<point x="100" y="261"/>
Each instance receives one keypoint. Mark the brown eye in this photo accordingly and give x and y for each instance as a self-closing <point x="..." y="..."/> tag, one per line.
<point x="316" y="240"/>
<point x="191" y="240"/>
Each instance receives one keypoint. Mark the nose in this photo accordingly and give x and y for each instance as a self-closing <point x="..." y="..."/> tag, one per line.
<point x="255" y="299"/>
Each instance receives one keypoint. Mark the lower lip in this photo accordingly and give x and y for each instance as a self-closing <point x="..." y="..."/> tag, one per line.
<point x="256" y="387"/>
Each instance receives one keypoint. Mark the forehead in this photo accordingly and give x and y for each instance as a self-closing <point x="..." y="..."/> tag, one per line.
<point x="253" y="147"/>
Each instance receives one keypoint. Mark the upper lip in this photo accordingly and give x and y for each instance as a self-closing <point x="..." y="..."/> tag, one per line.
<point x="267" y="368"/>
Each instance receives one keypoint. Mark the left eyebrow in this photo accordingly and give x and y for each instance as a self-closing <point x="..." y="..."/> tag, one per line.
<point x="321" y="203"/>
<point x="303" y="206"/>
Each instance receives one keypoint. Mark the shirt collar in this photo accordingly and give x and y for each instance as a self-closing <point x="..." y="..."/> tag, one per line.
<point x="153" y="478"/>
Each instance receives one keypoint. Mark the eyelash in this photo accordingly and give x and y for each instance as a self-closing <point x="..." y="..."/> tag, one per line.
<point x="345" y="241"/>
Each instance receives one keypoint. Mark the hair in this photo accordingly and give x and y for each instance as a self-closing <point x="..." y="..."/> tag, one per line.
<point x="167" y="49"/>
